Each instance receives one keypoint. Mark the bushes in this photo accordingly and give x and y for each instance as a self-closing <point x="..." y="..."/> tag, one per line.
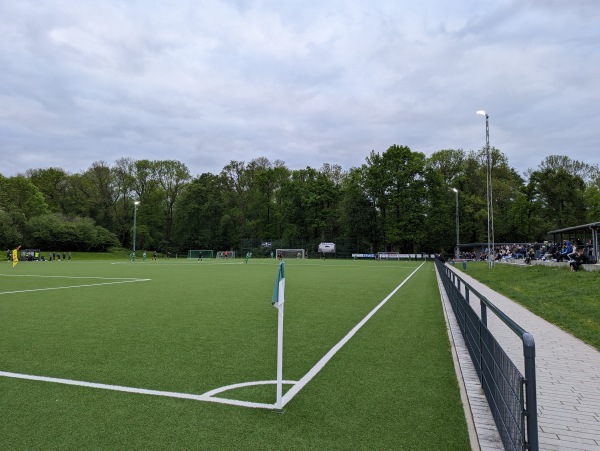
<point x="53" y="231"/>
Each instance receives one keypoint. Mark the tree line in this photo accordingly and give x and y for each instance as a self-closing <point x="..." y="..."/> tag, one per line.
<point x="398" y="200"/>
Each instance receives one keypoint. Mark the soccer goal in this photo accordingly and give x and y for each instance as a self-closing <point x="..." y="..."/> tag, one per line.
<point x="226" y="254"/>
<point x="290" y="253"/>
<point x="204" y="253"/>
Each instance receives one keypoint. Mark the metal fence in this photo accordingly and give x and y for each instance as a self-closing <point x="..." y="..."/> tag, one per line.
<point x="510" y="395"/>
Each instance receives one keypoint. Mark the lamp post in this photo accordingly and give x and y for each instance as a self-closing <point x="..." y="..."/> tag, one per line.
<point x="457" y="229"/>
<point x="135" y="205"/>
<point x="490" y="206"/>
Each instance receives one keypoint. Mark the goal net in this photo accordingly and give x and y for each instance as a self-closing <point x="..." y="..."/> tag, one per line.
<point x="204" y="253"/>
<point x="290" y="253"/>
<point x="226" y="254"/>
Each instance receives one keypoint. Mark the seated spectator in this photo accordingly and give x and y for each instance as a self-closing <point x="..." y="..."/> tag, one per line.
<point x="567" y="249"/>
<point x="531" y="255"/>
<point x="578" y="258"/>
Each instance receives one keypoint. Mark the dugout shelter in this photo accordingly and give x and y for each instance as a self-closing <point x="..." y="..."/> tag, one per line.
<point x="585" y="233"/>
<point x="29" y="255"/>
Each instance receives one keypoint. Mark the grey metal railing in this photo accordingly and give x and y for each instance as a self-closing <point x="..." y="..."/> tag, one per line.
<point x="510" y="395"/>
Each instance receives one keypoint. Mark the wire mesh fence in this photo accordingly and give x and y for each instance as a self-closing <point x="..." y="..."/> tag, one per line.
<point x="510" y="394"/>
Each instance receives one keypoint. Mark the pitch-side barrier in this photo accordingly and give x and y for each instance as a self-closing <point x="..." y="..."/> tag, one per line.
<point x="510" y="395"/>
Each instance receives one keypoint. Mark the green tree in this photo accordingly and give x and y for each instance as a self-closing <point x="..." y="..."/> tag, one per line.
<point x="10" y="235"/>
<point x="172" y="178"/>
<point x="560" y="194"/>
<point x="151" y="214"/>
<point x="592" y="200"/>
<point x="198" y="213"/>
<point x="100" y="188"/>
<point x="396" y="183"/>
<point x="21" y="200"/>
<point x="358" y="215"/>
<point x="55" y="232"/>
<point x="53" y="184"/>
<point x="446" y="170"/>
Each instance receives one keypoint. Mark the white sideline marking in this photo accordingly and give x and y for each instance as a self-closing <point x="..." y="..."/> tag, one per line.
<point x="70" y="277"/>
<point x="216" y="391"/>
<point x="208" y="396"/>
<point x="77" y="286"/>
<point x="327" y="357"/>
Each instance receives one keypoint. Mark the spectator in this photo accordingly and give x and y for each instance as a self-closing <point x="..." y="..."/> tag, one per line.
<point x="578" y="258"/>
<point x="567" y="248"/>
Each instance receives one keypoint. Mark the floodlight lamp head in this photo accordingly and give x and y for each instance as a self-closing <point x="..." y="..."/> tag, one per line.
<point x="482" y="112"/>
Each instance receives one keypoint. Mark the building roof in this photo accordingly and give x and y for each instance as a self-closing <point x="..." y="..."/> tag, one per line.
<point x="579" y="228"/>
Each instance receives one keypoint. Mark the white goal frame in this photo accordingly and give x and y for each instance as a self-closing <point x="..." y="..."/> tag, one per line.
<point x="196" y="253"/>
<point x="291" y="253"/>
<point x="230" y="254"/>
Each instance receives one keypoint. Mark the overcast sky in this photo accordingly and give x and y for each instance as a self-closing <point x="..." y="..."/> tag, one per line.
<point x="304" y="81"/>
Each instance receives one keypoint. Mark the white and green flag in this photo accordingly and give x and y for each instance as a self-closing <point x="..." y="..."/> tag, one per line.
<point x="279" y="288"/>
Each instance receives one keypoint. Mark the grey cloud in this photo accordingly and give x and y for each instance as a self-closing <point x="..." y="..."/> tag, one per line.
<point x="305" y="82"/>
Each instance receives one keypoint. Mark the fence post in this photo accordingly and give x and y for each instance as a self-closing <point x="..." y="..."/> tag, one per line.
<point x="530" y="392"/>
<point x="481" y="344"/>
<point x="483" y="312"/>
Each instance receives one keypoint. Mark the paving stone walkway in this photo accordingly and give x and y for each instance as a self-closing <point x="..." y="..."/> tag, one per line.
<point x="567" y="373"/>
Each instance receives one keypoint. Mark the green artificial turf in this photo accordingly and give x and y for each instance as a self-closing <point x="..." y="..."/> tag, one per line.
<point x="188" y="326"/>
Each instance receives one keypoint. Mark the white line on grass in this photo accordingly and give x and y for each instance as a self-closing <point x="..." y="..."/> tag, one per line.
<point x="208" y="396"/>
<point x="74" y="286"/>
<point x="70" y="277"/>
<point x="327" y="357"/>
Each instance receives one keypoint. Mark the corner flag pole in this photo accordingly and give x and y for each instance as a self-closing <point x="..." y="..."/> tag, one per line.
<point x="278" y="302"/>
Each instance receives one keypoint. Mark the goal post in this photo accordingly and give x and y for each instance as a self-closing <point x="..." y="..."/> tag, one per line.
<point x="290" y="254"/>
<point x="197" y="253"/>
<point x="226" y="254"/>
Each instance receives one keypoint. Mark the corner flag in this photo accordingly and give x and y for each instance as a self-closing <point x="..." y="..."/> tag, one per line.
<point x="277" y="301"/>
<point x="279" y="288"/>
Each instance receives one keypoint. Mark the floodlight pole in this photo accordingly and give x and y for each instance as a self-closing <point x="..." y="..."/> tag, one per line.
<point x="457" y="229"/>
<point x="135" y="205"/>
<point x="490" y="206"/>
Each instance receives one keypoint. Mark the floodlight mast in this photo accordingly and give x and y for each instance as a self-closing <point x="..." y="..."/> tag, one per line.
<point x="457" y="229"/>
<point x="490" y="206"/>
<point x="135" y="205"/>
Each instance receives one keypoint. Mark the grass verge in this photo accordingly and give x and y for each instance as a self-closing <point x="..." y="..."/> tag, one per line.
<point x="565" y="298"/>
